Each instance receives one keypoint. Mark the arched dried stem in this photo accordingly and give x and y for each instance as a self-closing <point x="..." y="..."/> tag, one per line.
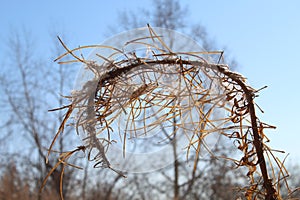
<point x="165" y="88"/>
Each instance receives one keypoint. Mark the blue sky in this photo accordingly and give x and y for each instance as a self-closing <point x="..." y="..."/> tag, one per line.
<point x="263" y="36"/>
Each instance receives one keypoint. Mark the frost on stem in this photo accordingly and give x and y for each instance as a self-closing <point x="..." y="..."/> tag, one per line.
<point x="153" y="85"/>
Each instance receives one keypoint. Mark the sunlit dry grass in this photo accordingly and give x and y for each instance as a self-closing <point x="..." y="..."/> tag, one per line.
<point x="182" y="91"/>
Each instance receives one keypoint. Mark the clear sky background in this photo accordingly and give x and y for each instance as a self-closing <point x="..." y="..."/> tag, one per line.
<point x="263" y="36"/>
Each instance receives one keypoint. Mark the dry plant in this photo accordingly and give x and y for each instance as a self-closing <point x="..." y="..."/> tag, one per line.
<point x="182" y="91"/>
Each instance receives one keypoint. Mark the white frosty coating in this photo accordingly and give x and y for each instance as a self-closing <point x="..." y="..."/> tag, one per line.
<point x="161" y="80"/>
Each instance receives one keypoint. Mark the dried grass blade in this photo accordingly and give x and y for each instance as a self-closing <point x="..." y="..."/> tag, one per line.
<point x="85" y="47"/>
<point x="48" y="175"/>
<point x="61" y="182"/>
<point x="152" y="32"/>
<point x="60" y="130"/>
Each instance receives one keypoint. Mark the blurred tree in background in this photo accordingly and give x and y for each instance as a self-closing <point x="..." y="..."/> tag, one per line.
<point x="30" y="87"/>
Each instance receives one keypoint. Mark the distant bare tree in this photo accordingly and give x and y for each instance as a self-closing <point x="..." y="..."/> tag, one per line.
<point x="30" y="88"/>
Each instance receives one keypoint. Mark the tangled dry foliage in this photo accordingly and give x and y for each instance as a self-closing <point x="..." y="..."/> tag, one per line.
<point x="172" y="89"/>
